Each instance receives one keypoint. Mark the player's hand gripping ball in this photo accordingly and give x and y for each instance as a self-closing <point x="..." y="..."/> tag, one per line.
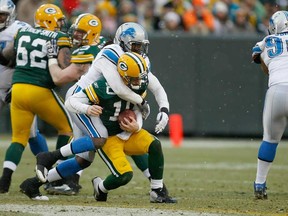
<point x="125" y="114"/>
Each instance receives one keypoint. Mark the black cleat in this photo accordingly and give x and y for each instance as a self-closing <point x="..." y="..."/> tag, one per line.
<point x="5" y="184"/>
<point x="44" y="162"/>
<point x="98" y="194"/>
<point x="159" y="196"/>
<point x="30" y="187"/>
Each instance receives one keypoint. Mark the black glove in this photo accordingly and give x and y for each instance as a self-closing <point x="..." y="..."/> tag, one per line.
<point x="52" y="49"/>
<point x="8" y="96"/>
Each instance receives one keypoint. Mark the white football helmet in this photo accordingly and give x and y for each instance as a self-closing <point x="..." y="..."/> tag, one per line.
<point x="278" y="22"/>
<point x="132" y="37"/>
<point x="7" y="7"/>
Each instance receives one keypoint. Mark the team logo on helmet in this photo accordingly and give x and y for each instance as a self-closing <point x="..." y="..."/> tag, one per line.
<point x="10" y="4"/>
<point x="50" y="10"/>
<point x="93" y="23"/>
<point x="123" y="66"/>
<point x="128" y="32"/>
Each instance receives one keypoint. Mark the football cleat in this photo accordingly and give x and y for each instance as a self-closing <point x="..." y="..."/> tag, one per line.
<point x="30" y="187"/>
<point x="98" y="194"/>
<point x="61" y="190"/>
<point x="159" y="196"/>
<point x="4" y="184"/>
<point x="260" y="191"/>
<point x="44" y="162"/>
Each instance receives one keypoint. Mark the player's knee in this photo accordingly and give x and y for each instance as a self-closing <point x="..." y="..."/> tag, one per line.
<point x="125" y="178"/>
<point x="82" y="162"/>
<point x="98" y="142"/>
<point x="155" y="146"/>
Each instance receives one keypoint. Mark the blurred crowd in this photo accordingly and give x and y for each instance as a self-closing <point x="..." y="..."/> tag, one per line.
<point x="198" y="17"/>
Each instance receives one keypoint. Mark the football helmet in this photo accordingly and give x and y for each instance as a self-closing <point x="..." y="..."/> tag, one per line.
<point x="50" y="17"/>
<point x="133" y="70"/>
<point x="7" y="7"/>
<point x="132" y="37"/>
<point x="278" y="22"/>
<point x="86" y="30"/>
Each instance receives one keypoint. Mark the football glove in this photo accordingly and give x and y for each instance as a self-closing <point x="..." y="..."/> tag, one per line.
<point x="144" y="109"/>
<point x="52" y="48"/>
<point x="161" y="121"/>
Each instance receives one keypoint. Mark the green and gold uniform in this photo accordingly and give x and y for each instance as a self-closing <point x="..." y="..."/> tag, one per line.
<point x="32" y="87"/>
<point x="115" y="149"/>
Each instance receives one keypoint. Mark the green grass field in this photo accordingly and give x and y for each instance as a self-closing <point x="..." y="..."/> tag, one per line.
<point x="205" y="175"/>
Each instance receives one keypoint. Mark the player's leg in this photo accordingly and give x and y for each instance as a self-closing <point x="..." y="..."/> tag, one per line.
<point x="36" y="141"/>
<point x="274" y="123"/>
<point x="121" y="171"/>
<point x="21" y="120"/>
<point x="92" y="126"/>
<point x="143" y="142"/>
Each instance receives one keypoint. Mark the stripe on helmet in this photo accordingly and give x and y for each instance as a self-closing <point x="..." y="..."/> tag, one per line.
<point x="136" y="58"/>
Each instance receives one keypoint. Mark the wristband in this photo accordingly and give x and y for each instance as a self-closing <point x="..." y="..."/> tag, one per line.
<point x="52" y="61"/>
<point x="164" y="109"/>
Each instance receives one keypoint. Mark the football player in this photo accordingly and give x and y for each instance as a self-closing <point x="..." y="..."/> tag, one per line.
<point x="129" y="136"/>
<point x="85" y="35"/>
<point x="271" y="53"/>
<point x="33" y="84"/>
<point x="8" y="28"/>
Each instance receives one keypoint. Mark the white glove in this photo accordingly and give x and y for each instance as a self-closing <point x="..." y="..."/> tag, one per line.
<point x="52" y="49"/>
<point x="161" y="122"/>
<point x="144" y="109"/>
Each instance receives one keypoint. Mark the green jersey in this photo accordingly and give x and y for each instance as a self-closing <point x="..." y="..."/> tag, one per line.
<point x="84" y="54"/>
<point x="31" y="58"/>
<point x="101" y="94"/>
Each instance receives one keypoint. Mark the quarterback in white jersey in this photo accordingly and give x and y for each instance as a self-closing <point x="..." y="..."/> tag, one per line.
<point x="272" y="54"/>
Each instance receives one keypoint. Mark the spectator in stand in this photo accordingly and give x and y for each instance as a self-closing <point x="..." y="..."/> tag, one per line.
<point x="241" y="23"/>
<point x="26" y="9"/>
<point x="106" y="10"/>
<point x="127" y="12"/>
<point x="223" y="25"/>
<point x="199" y="20"/>
<point x="171" y="22"/>
<point x="145" y="14"/>
<point x="256" y="12"/>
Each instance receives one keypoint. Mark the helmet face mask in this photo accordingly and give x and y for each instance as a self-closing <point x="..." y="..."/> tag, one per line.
<point x="50" y="17"/>
<point x="86" y="30"/>
<point x="133" y="70"/>
<point x="132" y="37"/>
<point x="7" y="13"/>
<point x="278" y="22"/>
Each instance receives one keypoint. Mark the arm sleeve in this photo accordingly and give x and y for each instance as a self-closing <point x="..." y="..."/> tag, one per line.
<point x="77" y="103"/>
<point x="158" y="91"/>
<point x="114" y="80"/>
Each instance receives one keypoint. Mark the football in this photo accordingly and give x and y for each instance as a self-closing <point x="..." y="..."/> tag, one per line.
<point x="125" y="114"/>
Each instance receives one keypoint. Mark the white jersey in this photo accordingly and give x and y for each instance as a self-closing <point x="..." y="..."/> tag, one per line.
<point x="105" y="65"/>
<point x="6" y="37"/>
<point x="274" y="53"/>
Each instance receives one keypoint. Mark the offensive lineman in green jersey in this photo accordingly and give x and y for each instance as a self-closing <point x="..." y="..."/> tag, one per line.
<point x="87" y="42"/>
<point x="32" y="84"/>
